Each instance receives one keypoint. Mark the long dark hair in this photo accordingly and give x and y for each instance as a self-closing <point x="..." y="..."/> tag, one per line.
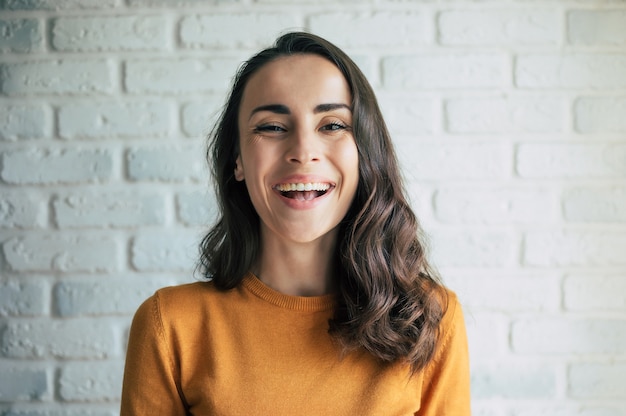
<point x="391" y="302"/>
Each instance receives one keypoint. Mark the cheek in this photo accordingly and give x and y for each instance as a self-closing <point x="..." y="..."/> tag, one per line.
<point x="256" y="164"/>
<point x="349" y="159"/>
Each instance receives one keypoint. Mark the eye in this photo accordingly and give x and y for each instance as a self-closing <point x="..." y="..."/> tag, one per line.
<point x="334" y="126"/>
<point x="269" y="128"/>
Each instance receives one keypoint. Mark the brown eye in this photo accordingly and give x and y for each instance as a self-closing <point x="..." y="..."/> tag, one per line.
<point x="334" y="126"/>
<point x="271" y="128"/>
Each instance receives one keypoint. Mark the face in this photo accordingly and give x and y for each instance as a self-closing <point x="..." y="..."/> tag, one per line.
<point x="298" y="156"/>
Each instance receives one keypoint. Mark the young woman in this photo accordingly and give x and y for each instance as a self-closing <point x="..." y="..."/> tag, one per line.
<point x="319" y="299"/>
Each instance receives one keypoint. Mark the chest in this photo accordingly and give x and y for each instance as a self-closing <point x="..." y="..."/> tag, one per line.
<point x="273" y="365"/>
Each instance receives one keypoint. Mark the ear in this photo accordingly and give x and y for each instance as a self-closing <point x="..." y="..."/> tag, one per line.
<point x="239" y="169"/>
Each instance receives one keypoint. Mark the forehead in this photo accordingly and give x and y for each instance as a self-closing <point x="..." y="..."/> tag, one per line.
<point x="296" y="79"/>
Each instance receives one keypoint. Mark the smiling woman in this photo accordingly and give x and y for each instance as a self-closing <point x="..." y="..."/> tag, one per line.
<point x="295" y="133"/>
<point x="319" y="297"/>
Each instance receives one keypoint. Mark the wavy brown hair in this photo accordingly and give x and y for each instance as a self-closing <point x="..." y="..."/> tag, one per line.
<point x="390" y="300"/>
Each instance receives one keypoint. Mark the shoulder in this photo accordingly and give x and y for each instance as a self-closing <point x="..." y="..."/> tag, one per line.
<point x="453" y="316"/>
<point x="175" y="302"/>
<point x="452" y="333"/>
<point x="446" y="383"/>
<point x="189" y="293"/>
<point x="454" y="311"/>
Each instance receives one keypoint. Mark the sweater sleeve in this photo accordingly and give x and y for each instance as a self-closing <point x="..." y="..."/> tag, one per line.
<point x="150" y="383"/>
<point x="446" y="388"/>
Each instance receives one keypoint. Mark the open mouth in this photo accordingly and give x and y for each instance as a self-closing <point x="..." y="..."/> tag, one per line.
<point x="303" y="191"/>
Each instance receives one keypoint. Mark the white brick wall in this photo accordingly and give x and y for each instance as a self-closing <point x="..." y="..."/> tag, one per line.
<point x="600" y="115"/>
<point x="509" y="118"/>
<point x="498" y="27"/>
<point x="87" y="120"/>
<point x="62" y="76"/>
<point x="445" y="70"/>
<point x="44" y="166"/>
<point x="115" y="33"/>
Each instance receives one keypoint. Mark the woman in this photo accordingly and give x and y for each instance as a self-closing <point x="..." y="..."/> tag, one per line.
<point x="320" y="300"/>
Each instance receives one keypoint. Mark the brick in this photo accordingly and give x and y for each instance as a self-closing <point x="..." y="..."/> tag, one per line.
<point x="57" y="5"/>
<point x="392" y="28"/>
<point x="574" y="248"/>
<point x="594" y="293"/>
<point x="505" y="115"/>
<point x="596" y="27"/>
<point x="23" y="210"/>
<point x="498" y="27"/>
<point x="441" y="161"/>
<point x="600" y="115"/>
<point x="167" y="164"/>
<point x="495" y="205"/>
<point x="571" y="160"/>
<point x="115" y="33"/>
<point x="485" y="292"/>
<point x="62" y="252"/>
<point x="91" y="381"/>
<point x="458" y="248"/>
<point x="588" y="204"/>
<point x="165" y="251"/>
<point x="445" y="71"/>
<point x="19" y="122"/>
<point x="196" y="208"/>
<point x="513" y="379"/>
<point x="304" y="2"/>
<point x="598" y="71"/>
<point x="559" y="335"/>
<point x="65" y="76"/>
<point x="23" y="298"/>
<point x="409" y="115"/>
<point x="419" y="195"/>
<point x="198" y="118"/>
<point x="50" y="166"/>
<point x="215" y="30"/>
<point x="567" y="409"/>
<point x="46" y="338"/>
<point x="106" y="120"/>
<point x="597" y="380"/>
<point x="20" y="35"/>
<point x="486" y="332"/>
<point x="484" y="408"/>
<point x="174" y="3"/>
<point x="179" y="76"/>
<point x="368" y="66"/>
<point x="89" y="297"/>
<point x="109" y="209"/>
<point x="24" y="383"/>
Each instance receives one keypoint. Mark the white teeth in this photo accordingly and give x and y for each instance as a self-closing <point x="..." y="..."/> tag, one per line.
<point x="314" y="186"/>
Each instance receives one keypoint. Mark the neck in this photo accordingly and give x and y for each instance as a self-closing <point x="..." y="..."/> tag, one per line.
<point x="297" y="269"/>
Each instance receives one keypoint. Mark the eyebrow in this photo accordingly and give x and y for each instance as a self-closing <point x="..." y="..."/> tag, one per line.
<point x="283" y="109"/>
<point x="324" y="108"/>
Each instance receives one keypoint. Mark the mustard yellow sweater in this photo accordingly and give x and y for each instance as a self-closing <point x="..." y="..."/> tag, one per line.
<point x="194" y="350"/>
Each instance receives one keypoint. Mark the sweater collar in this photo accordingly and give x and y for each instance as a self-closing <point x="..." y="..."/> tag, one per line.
<point x="298" y="303"/>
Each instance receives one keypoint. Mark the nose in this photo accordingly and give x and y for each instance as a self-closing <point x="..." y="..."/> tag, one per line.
<point x="303" y="147"/>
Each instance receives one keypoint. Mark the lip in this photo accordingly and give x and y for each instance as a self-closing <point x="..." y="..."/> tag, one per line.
<point x="295" y="204"/>
<point x="303" y="179"/>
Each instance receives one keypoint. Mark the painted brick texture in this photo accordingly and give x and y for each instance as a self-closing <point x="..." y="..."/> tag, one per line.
<point x="66" y="76"/>
<point x="509" y="119"/>
<point x="72" y="34"/>
<point x="21" y="35"/>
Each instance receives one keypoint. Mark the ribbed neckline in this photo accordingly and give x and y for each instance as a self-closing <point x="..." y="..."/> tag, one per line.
<point x="297" y="303"/>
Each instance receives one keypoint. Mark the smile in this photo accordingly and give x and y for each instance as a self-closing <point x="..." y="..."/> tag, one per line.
<point x="303" y="191"/>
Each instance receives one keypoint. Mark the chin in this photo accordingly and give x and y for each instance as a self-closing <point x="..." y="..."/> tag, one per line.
<point x="309" y="236"/>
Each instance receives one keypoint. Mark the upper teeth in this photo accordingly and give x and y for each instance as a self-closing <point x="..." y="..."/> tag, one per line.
<point x="286" y="187"/>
